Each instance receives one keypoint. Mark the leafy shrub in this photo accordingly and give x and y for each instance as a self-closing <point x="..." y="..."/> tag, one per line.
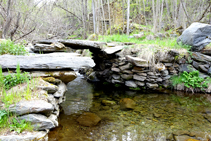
<point x="190" y="79"/>
<point x="9" y="47"/>
<point x="11" y="80"/>
<point x="19" y="126"/>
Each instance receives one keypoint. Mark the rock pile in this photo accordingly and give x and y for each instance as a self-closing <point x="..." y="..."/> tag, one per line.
<point x="41" y="111"/>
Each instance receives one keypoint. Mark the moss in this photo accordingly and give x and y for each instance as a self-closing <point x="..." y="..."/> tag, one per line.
<point x="49" y="79"/>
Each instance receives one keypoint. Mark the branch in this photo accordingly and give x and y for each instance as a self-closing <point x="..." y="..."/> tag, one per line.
<point x="205" y="11"/>
<point x="26" y="34"/>
<point x="16" y="26"/>
<point x="68" y="11"/>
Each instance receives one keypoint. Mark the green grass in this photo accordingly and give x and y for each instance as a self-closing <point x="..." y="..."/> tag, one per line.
<point x="7" y="120"/>
<point x="167" y="42"/>
<point x="9" y="47"/>
<point x="11" y="80"/>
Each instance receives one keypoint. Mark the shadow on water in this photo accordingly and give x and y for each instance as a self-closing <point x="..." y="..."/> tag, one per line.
<point x="158" y="116"/>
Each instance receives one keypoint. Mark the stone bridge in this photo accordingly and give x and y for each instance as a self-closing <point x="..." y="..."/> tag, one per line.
<point x="57" y="61"/>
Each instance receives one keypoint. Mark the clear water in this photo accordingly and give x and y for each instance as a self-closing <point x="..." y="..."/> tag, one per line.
<point x="158" y="116"/>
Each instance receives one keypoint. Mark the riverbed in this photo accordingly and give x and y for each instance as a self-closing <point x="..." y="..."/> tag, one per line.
<point x="159" y="115"/>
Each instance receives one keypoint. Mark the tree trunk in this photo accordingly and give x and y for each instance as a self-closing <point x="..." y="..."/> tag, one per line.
<point x="94" y="16"/>
<point x="128" y="17"/>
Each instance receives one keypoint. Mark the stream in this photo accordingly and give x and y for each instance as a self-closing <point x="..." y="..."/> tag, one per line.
<point x="158" y="116"/>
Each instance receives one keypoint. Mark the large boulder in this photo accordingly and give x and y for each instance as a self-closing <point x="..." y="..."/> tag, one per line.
<point x="197" y="35"/>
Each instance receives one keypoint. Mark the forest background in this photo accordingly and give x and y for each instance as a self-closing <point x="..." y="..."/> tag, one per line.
<point x="28" y="20"/>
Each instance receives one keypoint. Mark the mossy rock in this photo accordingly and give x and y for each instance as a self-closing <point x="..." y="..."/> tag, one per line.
<point x="50" y="79"/>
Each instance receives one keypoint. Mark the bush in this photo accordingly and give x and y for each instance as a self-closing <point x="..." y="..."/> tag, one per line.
<point x="9" y="47"/>
<point x="190" y="79"/>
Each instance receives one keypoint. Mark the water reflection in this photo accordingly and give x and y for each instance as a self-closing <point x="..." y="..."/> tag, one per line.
<point x="78" y="96"/>
<point x="157" y="116"/>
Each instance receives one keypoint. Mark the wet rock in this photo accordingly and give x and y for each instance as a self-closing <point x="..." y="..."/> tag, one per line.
<point x="203" y="68"/>
<point x="112" y="50"/>
<point x="105" y="107"/>
<point x="127" y="103"/>
<point x="61" y="91"/>
<point x="201" y="57"/>
<point x="164" y="73"/>
<point x="117" y="81"/>
<point x="126" y="67"/>
<point x="116" y="76"/>
<point x="166" y="77"/>
<point x="138" y="77"/>
<point x="141" y="84"/>
<point x="209" y="71"/>
<point x="88" y="119"/>
<point x="29" y="136"/>
<point x="93" y="77"/>
<point x="157" y="115"/>
<point x="130" y="84"/>
<point x="159" y="80"/>
<point x="127" y="72"/>
<point x="115" y="69"/>
<point x="54" y="119"/>
<point x="39" y="122"/>
<point x="151" y="80"/>
<point x="138" y="69"/>
<point x="137" y="61"/>
<point x="108" y="102"/>
<point x="49" y="79"/>
<point x="186" y="67"/>
<point x="142" y="74"/>
<point x="33" y="106"/>
<point x="127" y="76"/>
<point x="184" y="138"/>
<point x="151" y="86"/>
<point x="116" y="107"/>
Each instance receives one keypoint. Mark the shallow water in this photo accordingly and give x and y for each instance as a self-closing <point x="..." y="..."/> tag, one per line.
<point x="158" y="116"/>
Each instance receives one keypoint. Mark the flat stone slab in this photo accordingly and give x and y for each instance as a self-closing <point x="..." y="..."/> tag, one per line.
<point x="137" y="61"/>
<point x="200" y="57"/>
<point x="112" y="50"/>
<point x="55" y="61"/>
<point x="75" y="44"/>
<point x="54" y="47"/>
<point x="34" y="106"/>
<point x="38" y="121"/>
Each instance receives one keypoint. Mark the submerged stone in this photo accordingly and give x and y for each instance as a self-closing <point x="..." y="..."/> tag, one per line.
<point x="127" y="103"/>
<point x="108" y="102"/>
<point x="88" y="119"/>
